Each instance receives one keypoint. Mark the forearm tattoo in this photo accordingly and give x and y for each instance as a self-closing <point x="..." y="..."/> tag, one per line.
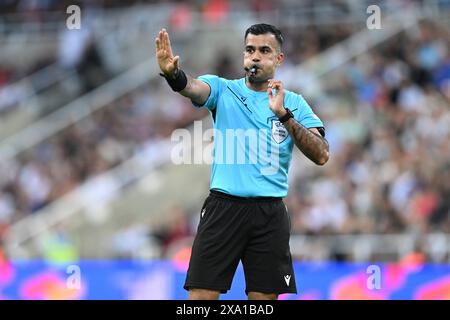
<point x="313" y="146"/>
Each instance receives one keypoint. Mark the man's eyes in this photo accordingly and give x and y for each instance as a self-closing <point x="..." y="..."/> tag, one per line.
<point x="263" y="50"/>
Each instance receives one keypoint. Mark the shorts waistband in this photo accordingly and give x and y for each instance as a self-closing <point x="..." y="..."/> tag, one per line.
<point x="218" y="194"/>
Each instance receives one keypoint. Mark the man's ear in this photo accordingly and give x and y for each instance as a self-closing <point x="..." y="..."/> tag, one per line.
<point x="280" y="58"/>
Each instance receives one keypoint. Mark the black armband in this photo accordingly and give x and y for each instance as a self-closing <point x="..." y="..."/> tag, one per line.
<point x="321" y="131"/>
<point x="178" y="82"/>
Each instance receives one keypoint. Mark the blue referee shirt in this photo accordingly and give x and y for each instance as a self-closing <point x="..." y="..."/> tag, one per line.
<point x="252" y="149"/>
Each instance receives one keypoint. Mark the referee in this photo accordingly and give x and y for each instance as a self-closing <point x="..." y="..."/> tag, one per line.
<point x="244" y="217"/>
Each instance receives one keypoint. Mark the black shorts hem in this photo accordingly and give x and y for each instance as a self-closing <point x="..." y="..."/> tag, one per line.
<point x="276" y="291"/>
<point x="190" y="285"/>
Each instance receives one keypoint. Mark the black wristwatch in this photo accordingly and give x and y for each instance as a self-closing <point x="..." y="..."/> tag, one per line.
<point x="287" y="116"/>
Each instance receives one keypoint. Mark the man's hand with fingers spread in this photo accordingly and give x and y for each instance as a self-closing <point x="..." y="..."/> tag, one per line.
<point x="276" y="101"/>
<point x="167" y="62"/>
<point x="196" y="90"/>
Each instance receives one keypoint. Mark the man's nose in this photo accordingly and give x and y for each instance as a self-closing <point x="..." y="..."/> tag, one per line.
<point x="256" y="57"/>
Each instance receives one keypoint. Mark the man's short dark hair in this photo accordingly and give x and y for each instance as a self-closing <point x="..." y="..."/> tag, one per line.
<point x="263" y="28"/>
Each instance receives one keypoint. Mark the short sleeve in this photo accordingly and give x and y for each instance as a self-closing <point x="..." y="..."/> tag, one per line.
<point x="216" y="84"/>
<point x="306" y="115"/>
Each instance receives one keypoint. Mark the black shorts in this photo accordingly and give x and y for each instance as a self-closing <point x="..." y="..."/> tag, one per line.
<point x="252" y="230"/>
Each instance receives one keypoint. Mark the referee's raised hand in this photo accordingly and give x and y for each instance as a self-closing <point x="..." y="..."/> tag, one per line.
<point x="167" y="62"/>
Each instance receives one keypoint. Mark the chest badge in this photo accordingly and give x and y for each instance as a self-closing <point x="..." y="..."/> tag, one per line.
<point x="279" y="132"/>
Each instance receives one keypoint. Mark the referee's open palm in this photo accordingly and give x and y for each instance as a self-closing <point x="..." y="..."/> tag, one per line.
<point x="167" y="62"/>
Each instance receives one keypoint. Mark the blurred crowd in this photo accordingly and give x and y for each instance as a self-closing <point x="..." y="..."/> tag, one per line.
<point x="78" y="53"/>
<point x="92" y="146"/>
<point x="213" y="11"/>
<point x="39" y="6"/>
<point x="11" y="95"/>
<point x="387" y="119"/>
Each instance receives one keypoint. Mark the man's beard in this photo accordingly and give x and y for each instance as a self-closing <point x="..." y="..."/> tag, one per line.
<point x="254" y="79"/>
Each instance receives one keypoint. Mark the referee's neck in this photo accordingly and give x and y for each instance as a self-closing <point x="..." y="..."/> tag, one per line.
<point x="260" y="87"/>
